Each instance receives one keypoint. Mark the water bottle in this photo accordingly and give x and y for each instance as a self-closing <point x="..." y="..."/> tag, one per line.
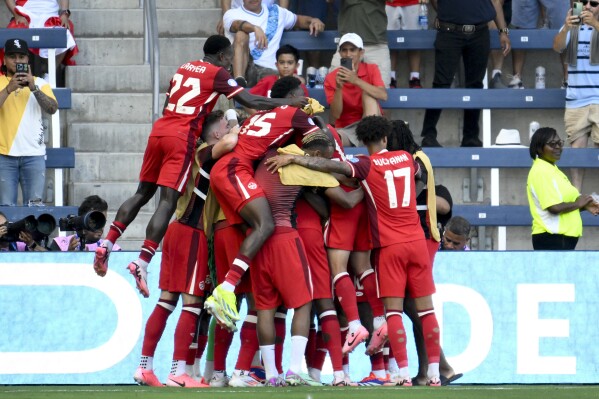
<point x="423" y="16"/>
<point x="321" y="75"/>
<point x="311" y="76"/>
<point x="540" y="78"/>
<point x="532" y="128"/>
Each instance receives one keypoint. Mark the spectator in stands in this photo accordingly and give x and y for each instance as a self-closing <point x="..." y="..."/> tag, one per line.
<point x="368" y="19"/>
<point x="555" y="204"/>
<point x="525" y="15"/>
<point x="24" y="243"/>
<point x="403" y="15"/>
<point x="256" y="37"/>
<point x="353" y="93"/>
<point x="45" y="14"/>
<point x="23" y="97"/>
<point x="462" y="31"/>
<point x="456" y="235"/>
<point x="84" y="240"/>
<point x="226" y="5"/>
<point x="582" y="95"/>
<point x="497" y="57"/>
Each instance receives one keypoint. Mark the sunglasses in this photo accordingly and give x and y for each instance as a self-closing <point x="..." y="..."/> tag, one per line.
<point x="593" y="3"/>
<point x="555" y="143"/>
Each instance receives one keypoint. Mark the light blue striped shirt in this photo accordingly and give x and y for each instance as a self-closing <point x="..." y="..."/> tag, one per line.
<point x="583" y="80"/>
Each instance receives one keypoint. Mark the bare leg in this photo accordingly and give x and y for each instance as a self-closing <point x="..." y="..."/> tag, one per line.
<point x="257" y="214"/>
<point x="242" y="53"/>
<point x="162" y="215"/>
<point x="130" y="208"/>
<point x="370" y="106"/>
<point x="578" y="173"/>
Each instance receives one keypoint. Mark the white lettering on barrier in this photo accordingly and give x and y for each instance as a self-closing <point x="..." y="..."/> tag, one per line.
<point x="120" y="345"/>
<point x="481" y="331"/>
<point x="531" y="328"/>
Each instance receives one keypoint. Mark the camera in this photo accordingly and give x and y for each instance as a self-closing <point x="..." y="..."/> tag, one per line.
<point x="39" y="228"/>
<point x="92" y="220"/>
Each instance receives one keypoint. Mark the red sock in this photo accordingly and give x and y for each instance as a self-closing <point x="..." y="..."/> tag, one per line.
<point x="386" y="355"/>
<point x="376" y="361"/>
<point x="346" y="293"/>
<point x="148" y="249"/>
<point x="196" y="350"/>
<point x="249" y="342"/>
<point x="311" y="346"/>
<point x="344" y="332"/>
<point x="320" y="352"/>
<point x="240" y="264"/>
<point x="155" y="326"/>
<point x="280" y="340"/>
<point x="368" y="280"/>
<point x="185" y="330"/>
<point x="115" y="232"/>
<point x="332" y="338"/>
<point x="430" y="330"/>
<point x="202" y="343"/>
<point x="222" y="342"/>
<point x="397" y="337"/>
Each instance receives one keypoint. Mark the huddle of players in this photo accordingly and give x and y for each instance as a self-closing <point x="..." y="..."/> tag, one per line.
<point x="385" y="221"/>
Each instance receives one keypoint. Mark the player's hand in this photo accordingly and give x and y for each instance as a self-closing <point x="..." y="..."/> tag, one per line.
<point x="74" y="243"/>
<point x="299" y="102"/>
<point x="316" y="26"/>
<point x="261" y="41"/>
<point x="278" y="161"/>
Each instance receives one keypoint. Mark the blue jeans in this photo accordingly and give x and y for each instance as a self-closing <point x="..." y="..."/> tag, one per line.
<point x="30" y="172"/>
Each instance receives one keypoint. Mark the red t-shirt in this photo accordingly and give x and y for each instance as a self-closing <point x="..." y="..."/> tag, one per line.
<point x="267" y="129"/>
<point x="192" y="94"/>
<point x="401" y="3"/>
<point x="265" y="84"/>
<point x="352" y="94"/>
<point x="388" y="181"/>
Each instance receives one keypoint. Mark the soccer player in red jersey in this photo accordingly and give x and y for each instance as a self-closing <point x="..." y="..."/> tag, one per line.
<point x="193" y="92"/>
<point x="240" y="196"/>
<point x="184" y="267"/>
<point x="401" y="256"/>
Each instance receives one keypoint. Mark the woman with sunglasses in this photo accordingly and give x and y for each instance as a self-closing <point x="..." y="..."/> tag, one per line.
<point x="554" y="202"/>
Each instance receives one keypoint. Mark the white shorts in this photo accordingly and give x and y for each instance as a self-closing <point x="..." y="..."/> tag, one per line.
<point x="402" y="18"/>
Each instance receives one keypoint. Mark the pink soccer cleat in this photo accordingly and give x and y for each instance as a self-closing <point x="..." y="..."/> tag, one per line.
<point x="101" y="261"/>
<point x="140" y="273"/>
<point x="434" y="382"/>
<point x="354" y="339"/>
<point x="378" y="340"/>
<point x="184" y="381"/>
<point x="395" y="380"/>
<point x="146" y="377"/>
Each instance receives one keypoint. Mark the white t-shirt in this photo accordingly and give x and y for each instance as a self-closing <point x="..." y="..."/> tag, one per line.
<point x="239" y="3"/>
<point x="286" y="20"/>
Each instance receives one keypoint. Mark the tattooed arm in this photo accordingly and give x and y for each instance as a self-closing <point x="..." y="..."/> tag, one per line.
<point x="314" y="163"/>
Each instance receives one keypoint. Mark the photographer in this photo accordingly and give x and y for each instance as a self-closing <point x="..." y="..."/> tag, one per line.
<point x="25" y="243"/>
<point x="84" y="240"/>
<point x="23" y="97"/>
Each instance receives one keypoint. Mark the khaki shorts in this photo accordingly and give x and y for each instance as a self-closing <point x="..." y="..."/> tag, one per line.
<point x="254" y="73"/>
<point x="349" y="132"/>
<point x="583" y="121"/>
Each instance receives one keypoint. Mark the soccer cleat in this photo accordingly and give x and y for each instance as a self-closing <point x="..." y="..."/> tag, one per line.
<point x="140" y="273"/>
<point x="184" y="381"/>
<point x="276" y="382"/>
<point x="354" y="339"/>
<point x="101" y="261"/>
<point x="219" y="379"/>
<point x="146" y="377"/>
<point x="343" y="382"/>
<point x="434" y="382"/>
<point x="293" y="379"/>
<point x="396" y="381"/>
<point x="216" y="311"/>
<point x="378" y="340"/>
<point x="414" y="84"/>
<point x="244" y="379"/>
<point x="258" y="373"/>
<point x="373" y="380"/>
<point x="227" y="301"/>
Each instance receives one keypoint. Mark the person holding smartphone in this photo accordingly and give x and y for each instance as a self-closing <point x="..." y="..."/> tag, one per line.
<point x="23" y="98"/>
<point x="354" y="89"/>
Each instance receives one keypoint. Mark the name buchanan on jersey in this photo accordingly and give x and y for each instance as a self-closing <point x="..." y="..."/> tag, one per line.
<point x="390" y="161"/>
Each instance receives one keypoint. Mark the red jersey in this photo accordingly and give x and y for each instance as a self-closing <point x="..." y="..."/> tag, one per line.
<point x="388" y="181"/>
<point x="401" y="3"/>
<point x="193" y="92"/>
<point x="267" y="129"/>
<point x="306" y="216"/>
<point x="264" y="86"/>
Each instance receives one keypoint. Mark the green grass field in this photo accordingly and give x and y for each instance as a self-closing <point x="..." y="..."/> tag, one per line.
<point x="451" y="392"/>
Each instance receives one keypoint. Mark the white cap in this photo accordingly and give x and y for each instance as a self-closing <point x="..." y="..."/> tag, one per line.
<point x="508" y="138"/>
<point x="352" y="38"/>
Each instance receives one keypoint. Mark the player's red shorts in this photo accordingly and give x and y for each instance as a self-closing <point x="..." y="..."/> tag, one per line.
<point x="167" y="161"/>
<point x="318" y="262"/>
<point x="433" y="247"/>
<point x="227" y="240"/>
<point x="184" y="266"/>
<point x="348" y="229"/>
<point x="232" y="181"/>
<point x="280" y="272"/>
<point x="404" y="267"/>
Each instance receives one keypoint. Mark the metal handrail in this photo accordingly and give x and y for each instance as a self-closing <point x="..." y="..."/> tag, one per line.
<point x="152" y="51"/>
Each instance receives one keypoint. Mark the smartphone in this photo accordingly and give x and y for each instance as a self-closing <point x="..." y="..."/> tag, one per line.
<point x="347" y="63"/>
<point x="576" y="9"/>
<point x="22" y="67"/>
